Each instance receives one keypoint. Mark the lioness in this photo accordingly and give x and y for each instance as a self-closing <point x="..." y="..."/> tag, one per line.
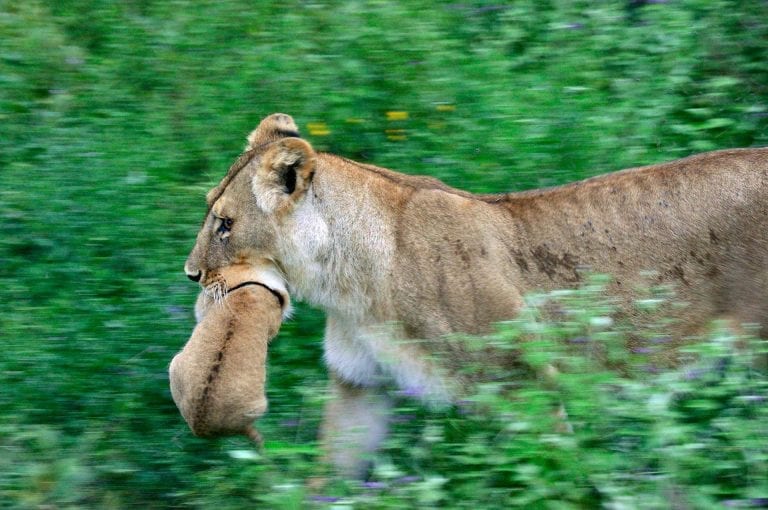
<point x="390" y="256"/>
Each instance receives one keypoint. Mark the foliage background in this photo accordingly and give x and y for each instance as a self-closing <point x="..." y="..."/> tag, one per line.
<point x="116" y="117"/>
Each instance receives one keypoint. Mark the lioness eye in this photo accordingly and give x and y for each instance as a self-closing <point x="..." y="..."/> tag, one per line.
<point x="225" y="226"/>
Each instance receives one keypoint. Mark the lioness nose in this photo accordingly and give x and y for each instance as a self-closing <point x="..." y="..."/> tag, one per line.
<point x="195" y="277"/>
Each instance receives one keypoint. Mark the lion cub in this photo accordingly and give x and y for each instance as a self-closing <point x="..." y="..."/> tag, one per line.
<point x="217" y="380"/>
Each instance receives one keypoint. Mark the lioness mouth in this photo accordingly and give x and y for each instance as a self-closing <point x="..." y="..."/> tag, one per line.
<point x="278" y="296"/>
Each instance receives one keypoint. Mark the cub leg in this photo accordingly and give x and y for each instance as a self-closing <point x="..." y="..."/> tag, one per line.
<point x="355" y="423"/>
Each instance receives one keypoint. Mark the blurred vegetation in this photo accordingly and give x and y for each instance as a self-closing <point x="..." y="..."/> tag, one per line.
<point x="117" y="116"/>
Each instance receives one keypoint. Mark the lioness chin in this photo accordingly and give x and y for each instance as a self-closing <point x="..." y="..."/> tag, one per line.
<point x="392" y="257"/>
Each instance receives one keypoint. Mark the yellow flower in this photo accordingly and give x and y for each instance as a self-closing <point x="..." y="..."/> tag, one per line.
<point x="397" y="115"/>
<point x="445" y="107"/>
<point x="318" y="129"/>
<point x="396" y="135"/>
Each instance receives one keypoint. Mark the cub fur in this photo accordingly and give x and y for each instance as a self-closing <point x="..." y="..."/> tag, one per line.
<point x="217" y="380"/>
<point x="392" y="257"/>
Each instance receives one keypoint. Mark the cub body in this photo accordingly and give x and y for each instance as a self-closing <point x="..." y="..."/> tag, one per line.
<point x="218" y="378"/>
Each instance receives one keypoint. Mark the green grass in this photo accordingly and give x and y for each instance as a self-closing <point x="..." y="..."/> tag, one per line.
<point x="116" y="117"/>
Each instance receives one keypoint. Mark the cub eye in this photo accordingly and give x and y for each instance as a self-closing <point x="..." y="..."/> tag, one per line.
<point x="225" y="225"/>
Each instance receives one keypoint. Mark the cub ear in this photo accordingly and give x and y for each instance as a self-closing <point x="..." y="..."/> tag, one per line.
<point x="271" y="129"/>
<point x="285" y="173"/>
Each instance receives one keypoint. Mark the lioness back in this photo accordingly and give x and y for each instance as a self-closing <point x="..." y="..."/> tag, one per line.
<point x="699" y="223"/>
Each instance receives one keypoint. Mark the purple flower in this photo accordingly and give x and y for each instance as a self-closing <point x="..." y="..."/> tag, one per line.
<point x="746" y="503"/>
<point x="464" y="407"/>
<point x="402" y="418"/>
<point x="176" y="312"/>
<point x="324" y="499"/>
<point x="374" y="485"/>
<point x="651" y="368"/>
<point x="403" y="480"/>
<point x="693" y="374"/>
<point x="290" y="423"/>
<point x="411" y="391"/>
<point x="642" y="350"/>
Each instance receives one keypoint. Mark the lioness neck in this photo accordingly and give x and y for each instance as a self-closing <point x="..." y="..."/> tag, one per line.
<point x="339" y="261"/>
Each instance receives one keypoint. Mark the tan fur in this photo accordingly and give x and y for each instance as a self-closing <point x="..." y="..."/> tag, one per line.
<point x="398" y="262"/>
<point x="217" y="380"/>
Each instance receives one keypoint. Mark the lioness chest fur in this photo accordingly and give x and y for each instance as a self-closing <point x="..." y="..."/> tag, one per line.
<point x="398" y="262"/>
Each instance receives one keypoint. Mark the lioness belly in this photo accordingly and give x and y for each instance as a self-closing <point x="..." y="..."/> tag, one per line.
<point x="379" y="355"/>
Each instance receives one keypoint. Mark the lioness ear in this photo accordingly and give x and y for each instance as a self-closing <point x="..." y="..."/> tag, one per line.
<point x="271" y="129"/>
<point x="284" y="174"/>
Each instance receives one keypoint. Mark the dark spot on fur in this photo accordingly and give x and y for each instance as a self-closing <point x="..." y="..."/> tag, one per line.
<point x="201" y="410"/>
<point x="520" y="260"/>
<point x="696" y="257"/>
<point x="677" y="272"/>
<point x="713" y="237"/>
<point x="442" y="289"/>
<point x="548" y="262"/>
<point x="461" y="252"/>
<point x="713" y="272"/>
<point x="230" y="333"/>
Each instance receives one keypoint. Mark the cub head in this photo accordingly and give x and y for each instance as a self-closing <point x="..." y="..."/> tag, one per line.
<point x="250" y="206"/>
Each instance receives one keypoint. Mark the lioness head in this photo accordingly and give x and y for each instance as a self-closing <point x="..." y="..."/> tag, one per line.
<point x="254" y="201"/>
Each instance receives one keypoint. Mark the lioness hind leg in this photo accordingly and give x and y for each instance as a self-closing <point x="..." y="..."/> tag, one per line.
<point x="354" y="425"/>
<point x="562" y="425"/>
<point x="255" y="436"/>
<point x="743" y="332"/>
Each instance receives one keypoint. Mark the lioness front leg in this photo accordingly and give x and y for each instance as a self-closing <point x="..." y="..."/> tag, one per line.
<point x="355" y="423"/>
